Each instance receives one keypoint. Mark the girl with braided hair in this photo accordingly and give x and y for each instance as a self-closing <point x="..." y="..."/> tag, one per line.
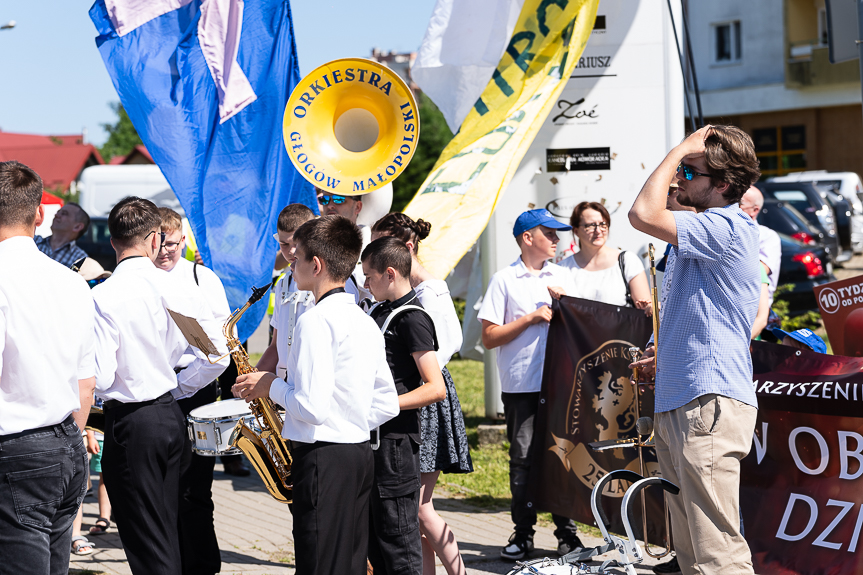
<point x="444" y="447"/>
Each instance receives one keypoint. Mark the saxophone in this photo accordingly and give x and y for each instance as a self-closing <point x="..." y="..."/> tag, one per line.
<point x="262" y="440"/>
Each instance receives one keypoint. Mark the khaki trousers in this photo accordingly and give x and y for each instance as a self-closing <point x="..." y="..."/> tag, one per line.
<point x="699" y="447"/>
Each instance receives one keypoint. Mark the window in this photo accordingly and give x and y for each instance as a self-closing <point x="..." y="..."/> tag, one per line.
<point x="726" y="43"/>
<point x="780" y="150"/>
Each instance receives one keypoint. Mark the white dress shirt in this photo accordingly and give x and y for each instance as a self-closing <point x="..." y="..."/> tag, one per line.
<point x="435" y="298"/>
<point x="290" y="303"/>
<point x="770" y="252"/>
<point x="340" y="387"/>
<point x="514" y="292"/>
<point x="47" y="340"/>
<point x="210" y="286"/>
<point x="137" y="342"/>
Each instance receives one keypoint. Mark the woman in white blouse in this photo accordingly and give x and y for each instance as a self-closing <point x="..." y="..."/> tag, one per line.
<point x="601" y="272"/>
<point x="444" y="447"/>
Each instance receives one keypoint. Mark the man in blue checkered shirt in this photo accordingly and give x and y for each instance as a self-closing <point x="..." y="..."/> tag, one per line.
<point x="705" y="402"/>
<point x="69" y="223"/>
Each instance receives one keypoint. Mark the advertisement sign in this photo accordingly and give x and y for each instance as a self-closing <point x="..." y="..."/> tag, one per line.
<point x="841" y="306"/>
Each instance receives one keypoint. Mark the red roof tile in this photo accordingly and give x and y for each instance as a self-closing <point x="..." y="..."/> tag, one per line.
<point x="57" y="159"/>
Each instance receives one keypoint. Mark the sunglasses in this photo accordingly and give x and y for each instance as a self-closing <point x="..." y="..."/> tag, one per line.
<point x="162" y="235"/>
<point x="337" y="200"/>
<point x="593" y="227"/>
<point x="689" y="172"/>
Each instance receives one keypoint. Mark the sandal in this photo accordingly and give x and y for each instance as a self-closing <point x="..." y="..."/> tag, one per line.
<point x="101" y="527"/>
<point x="84" y="546"/>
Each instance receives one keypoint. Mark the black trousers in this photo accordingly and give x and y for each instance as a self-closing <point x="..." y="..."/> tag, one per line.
<point x="199" y="547"/>
<point x="146" y="446"/>
<point x="395" y="542"/>
<point x="332" y="482"/>
<point x="519" y="410"/>
<point x="43" y="478"/>
<point x="226" y="380"/>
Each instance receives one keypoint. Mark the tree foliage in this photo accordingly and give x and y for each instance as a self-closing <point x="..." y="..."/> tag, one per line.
<point x="122" y="135"/>
<point x="434" y="136"/>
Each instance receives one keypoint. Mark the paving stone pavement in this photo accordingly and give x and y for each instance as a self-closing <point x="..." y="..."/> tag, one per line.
<point x="254" y="534"/>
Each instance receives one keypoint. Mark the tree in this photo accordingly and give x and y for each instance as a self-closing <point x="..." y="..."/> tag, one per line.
<point x="434" y="136"/>
<point x="122" y="136"/>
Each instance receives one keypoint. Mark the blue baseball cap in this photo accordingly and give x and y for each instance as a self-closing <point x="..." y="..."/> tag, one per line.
<point x="539" y="217"/>
<point x="804" y="336"/>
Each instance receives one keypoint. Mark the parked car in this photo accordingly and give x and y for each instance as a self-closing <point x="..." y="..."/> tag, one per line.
<point x="842" y="211"/>
<point x="804" y="266"/>
<point x="806" y="198"/>
<point x="846" y="184"/>
<point x="96" y="241"/>
<point x="785" y="219"/>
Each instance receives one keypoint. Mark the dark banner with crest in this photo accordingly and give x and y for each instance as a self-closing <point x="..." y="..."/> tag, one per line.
<point x="586" y="397"/>
<point x="801" y="483"/>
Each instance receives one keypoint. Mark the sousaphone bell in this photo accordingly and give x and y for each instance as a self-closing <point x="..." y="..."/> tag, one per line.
<point x="351" y="126"/>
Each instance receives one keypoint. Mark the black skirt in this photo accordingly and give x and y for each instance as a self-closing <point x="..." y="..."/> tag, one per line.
<point x="444" y="447"/>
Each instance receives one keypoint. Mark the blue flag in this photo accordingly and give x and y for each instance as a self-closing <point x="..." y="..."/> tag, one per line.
<point x="205" y="85"/>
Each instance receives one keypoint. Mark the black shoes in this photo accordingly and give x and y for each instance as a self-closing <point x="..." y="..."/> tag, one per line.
<point x="518" y="547"/>
<point x="237" y="469"/>
<point x="668" y="567"/>
<point x="568" y="544"/>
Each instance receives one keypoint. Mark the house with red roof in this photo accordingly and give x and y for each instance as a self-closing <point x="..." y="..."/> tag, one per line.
<point x="138" y="155"/>
<point x="59" y="160"/>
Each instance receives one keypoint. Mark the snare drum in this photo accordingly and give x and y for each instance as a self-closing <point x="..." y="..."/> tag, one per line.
<point x="210" y="426"/>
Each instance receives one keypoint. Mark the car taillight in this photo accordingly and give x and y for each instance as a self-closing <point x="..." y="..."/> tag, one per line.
<point x="811" y="263"/>
<point x="804" y="237"/>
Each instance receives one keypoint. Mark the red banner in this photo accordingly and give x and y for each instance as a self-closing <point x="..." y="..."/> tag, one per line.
<point x="800" y="492"/>
<point x="841" y="305"/>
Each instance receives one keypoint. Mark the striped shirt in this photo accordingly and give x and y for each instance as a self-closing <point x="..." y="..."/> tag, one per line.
<point x="67" y="254"/>
<point x="710" y="296"/>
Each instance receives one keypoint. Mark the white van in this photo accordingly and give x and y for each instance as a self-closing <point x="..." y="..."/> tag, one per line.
<point x="847" y="184"/>
<point x="102" y="187"/>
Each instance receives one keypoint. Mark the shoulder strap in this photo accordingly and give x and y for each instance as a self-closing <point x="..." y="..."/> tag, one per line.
<point x="620" y="262"/>
<point x="195" y="273"/>
<point x="404" y="308"/>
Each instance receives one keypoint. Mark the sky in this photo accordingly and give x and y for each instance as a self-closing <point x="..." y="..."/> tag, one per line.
<point x="53" y="80"/>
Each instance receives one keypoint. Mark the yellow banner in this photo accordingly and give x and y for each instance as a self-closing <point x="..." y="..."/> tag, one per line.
<point x="463" y="188"/>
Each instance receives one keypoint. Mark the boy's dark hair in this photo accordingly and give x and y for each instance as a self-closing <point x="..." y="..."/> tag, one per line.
<point x="335" y="240"/>
<point x="293" y="216"/>
<point x="132" y="219"/>
<point x="20" y="194"/>
<point x="388" y="252"/>
<point x="730" y="157"/>
<point x="401" y="226"/>
<point x="81" y="217"/>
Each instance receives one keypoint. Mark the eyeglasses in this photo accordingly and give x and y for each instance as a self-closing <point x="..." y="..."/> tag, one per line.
<point x="161" y="235"/>
<point x="593" y="227"/>
<point x="171" y="247"/>
<point x="337" y="200"/>
<point x="689" y="172"/>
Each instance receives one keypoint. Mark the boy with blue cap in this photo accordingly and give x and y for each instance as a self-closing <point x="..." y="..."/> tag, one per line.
<point x="515" y="313"/>
<point x="801" y="339"/>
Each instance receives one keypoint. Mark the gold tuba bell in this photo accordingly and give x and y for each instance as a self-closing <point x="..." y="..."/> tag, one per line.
<point x="351" y="126"/>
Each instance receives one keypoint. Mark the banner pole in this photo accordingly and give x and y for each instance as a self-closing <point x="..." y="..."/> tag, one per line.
<point x="487" y="258"/>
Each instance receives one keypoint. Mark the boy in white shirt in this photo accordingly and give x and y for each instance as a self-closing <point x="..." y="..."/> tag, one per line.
<point x="515" y="313"/>
<point x="338" y="389"/>
<point x="290" y="302"/>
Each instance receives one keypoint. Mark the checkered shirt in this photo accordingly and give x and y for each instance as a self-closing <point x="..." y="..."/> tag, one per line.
<point x="710" y="295"/>
<point x="67" y="255"/>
